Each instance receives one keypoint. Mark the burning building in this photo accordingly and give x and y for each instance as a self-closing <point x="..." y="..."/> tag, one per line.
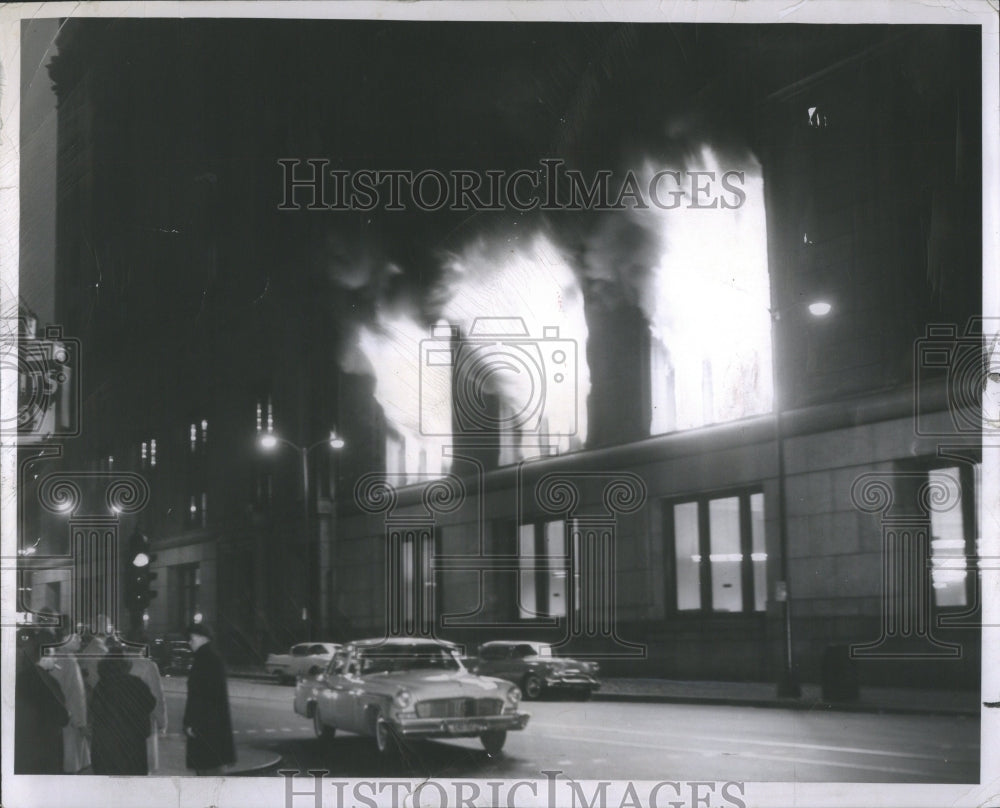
<point x="619" y="428"/>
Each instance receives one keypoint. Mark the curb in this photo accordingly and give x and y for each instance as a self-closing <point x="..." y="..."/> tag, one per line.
<point x="789" y="704"/>
<point x="260" y="767"/>
<point x="269" y="759"/>
<point x="725" y="701"/>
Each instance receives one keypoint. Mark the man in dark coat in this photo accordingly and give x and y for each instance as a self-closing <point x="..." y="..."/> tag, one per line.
<point x="207" y="723"/>
<point x="39" y="712"/>
<point x="119" y="718"/>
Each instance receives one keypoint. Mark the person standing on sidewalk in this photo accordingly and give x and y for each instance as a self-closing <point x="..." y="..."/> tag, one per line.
<point x="92" y="649"/>
<point x="63" y="667"/>
<point x="207" y="723"/>
<point x="119" y="718"/>
<point x="39" y="712"/>
<point x="146" y="670"/>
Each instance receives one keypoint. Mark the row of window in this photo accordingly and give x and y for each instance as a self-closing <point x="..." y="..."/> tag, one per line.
<point x="716" y="555"/>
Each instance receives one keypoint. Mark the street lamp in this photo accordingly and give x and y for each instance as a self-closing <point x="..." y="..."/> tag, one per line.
<point x="268" y="441"/>
<point x="788" y="684"/>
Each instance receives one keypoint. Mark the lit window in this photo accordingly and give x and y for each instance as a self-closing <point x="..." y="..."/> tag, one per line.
<point x="265" y="415"/>
<point x="543" y="570"/>
<point x="949" y="545"/>
<point x="719" y="557"/>
<point x="817" y="118"/>
<point x="194" y="436"/>
<point x="709" y="308"/>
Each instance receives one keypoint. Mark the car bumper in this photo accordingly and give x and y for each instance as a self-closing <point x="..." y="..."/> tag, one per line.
<point x="458" y="727"/>
<point x="574" y="682"/>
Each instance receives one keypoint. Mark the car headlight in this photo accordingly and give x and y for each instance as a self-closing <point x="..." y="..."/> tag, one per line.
<point x="514" y="696"/>
<point x="403" y="698"/>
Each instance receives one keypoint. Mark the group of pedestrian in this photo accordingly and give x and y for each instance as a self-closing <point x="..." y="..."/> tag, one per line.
<point x="86" y="704"/>
<point x="95" y="706"/>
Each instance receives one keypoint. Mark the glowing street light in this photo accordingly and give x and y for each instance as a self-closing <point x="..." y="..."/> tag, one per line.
<point x="268" y="441"/>
<point x="788" y="685"/>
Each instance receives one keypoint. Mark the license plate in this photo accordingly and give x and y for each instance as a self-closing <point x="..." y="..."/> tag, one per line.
<point x="467" y="726"/>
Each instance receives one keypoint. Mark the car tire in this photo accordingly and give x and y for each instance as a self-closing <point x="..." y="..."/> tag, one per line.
<point x="314" y="670"/>
<point x="531" y="687"/>
<point x="493" y="741"/>
<point x="586" y="694"/>
<point x="385" y="739"/>
<point x="321" y="730"/>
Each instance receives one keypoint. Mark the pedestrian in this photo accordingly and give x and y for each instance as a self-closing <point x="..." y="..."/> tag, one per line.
<point x="146" y="669"/>
<point x="39" y="712"/>
<point x="92" y="649"/>
<point x="207" y="723"/>
<point x="119" y="718"/>
<point x="63" y="667"/>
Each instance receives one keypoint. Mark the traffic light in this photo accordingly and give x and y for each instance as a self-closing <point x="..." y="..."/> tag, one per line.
<point x="138" y="576"/>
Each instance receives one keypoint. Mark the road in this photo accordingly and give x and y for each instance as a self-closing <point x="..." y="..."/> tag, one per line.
<point x="617" y="741"/>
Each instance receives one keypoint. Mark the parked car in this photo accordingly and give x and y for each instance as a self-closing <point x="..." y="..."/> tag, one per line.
<point x="172" y="656"/>
<point x="303" y="659"/>
<point x="399" y="688"/>
<point x="536" y="669"/>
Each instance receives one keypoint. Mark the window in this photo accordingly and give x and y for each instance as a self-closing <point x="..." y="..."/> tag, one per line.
<point x="543" y="568"/>
<point x="494" y="652"/>
<point x="412" y="595"/>
<point x="186" y="581"/>
<point x="954" y="535"/>
<point x="710" y="337"/>
<point x="718" y="553"/>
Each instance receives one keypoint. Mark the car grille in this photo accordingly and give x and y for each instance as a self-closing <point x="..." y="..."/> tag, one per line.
<point x="458" y="708"/>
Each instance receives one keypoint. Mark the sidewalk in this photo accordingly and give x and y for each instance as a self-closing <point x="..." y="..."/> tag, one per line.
<point x="903" y="701"/>
<point x="249" y="760"/>
<point x="764" y="694"/>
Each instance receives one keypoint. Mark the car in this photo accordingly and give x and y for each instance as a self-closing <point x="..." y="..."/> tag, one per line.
<point x="172" y="656"/>
<point x="302" y="659"/>
<point x="535" y="668"/>
<point x="397" y="689"/>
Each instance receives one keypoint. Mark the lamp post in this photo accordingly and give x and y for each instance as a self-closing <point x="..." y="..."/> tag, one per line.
<point x="788" y="684"/>
<point x="268" y="441"/>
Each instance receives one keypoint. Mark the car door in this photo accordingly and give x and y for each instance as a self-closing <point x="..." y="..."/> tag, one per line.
<point x="297" y="659"/>
<point x="343" y="687"/>
<point x="327" y="692"/>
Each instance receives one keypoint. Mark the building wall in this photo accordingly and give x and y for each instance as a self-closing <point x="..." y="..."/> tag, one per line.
<point x="835" y="552"/>
<point x="163" y="618"/>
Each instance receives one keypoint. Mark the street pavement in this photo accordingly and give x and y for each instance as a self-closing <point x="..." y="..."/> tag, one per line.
<point x="626" y="739"/>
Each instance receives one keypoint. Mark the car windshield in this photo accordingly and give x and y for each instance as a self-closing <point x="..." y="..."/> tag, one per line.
<point x="392" y="658"/>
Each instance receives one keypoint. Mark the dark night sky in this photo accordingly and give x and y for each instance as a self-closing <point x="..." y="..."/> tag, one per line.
<point x="192" y="116"/>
